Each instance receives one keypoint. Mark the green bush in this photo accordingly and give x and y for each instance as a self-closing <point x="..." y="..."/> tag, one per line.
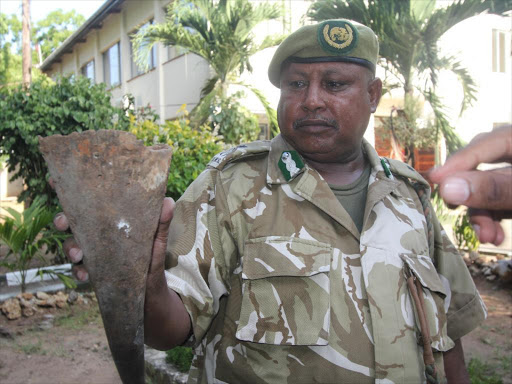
<point x="465" y="235"/>
<point x="482" y="373"/>
<point x="192" y="148"/>
<point x="181" y="357"/>
<point x="47" y="108"/>
<point x="233" y="121"/>
<point x="25" y="234"/>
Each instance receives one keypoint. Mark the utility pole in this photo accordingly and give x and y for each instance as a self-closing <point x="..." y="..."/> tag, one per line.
<point x="25" y="42"/>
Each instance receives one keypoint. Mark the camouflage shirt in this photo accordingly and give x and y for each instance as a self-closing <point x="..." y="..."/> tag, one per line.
<point x="282" y="288"/>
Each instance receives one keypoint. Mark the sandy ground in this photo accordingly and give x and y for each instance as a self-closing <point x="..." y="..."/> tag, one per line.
<point x="75" y="350"/>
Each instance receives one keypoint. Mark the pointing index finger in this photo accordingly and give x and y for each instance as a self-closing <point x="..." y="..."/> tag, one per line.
<point x="490" y="147"/>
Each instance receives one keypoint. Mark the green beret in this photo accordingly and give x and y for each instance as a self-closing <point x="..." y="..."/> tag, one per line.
<point x="331" y="40"/>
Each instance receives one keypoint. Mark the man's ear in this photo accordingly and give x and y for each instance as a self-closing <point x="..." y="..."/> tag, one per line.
<point x="375" y="92"/>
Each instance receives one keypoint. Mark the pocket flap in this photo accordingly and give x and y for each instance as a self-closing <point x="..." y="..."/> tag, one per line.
<point x="425" y="271"/>
<point x="284" y="256"/>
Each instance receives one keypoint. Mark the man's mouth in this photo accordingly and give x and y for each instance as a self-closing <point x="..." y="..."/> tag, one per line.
<point x="314" y="123"/>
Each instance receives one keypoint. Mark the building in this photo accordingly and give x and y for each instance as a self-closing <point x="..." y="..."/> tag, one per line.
<point x="102" y="51"/>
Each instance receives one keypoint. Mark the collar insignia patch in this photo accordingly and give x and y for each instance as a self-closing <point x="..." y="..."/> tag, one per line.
<point x="338" y="37"/>
<point x="290" y="164"/>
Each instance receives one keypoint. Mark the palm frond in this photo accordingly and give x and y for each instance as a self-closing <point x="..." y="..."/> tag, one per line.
<point x="453" y="141"/>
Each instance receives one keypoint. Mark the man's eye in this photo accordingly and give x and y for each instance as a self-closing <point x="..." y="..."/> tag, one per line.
<point x="335" y="84"/>
<point x="297" y="84"/>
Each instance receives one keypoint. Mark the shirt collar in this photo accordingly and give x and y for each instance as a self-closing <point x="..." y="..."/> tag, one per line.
<point x="279" y="145"/>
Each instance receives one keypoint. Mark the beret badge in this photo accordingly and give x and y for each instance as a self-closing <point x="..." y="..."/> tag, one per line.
<point x="337" y="36"/>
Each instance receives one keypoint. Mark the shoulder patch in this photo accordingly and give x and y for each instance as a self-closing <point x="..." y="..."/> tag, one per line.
<point x="242" y="151"/>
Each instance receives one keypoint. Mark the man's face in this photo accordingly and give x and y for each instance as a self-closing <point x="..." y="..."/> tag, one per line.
<point x="324" y="108"/>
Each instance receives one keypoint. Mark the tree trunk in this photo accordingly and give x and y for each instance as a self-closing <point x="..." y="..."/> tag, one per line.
<point x="409" y="147"/>
<point x="26" y="53"/>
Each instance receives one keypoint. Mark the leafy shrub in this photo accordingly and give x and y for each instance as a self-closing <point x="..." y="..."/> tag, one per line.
<point x="464" y="234"/>
<point x="482" y="373"/>
<point x="443" y="213"/>
<point x="181" y="357"/>
<point x="25" y="234"/>
<point x="47" y="108"/>
<point x="192" y="148"/>
<point x="233" y="121"/>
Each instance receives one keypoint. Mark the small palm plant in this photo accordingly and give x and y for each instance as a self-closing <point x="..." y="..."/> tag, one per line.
<point x="25" y="234"/>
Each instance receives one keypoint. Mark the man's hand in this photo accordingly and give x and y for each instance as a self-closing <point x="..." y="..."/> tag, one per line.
<point x="166" y="321"/>
<point x="488" y="194"/>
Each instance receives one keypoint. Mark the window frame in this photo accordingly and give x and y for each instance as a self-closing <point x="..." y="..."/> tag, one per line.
<point x="498" y="51"/>
<point x="107" y="66"/>
<point x="85" y="66"/>
<point x="135" y="70"/>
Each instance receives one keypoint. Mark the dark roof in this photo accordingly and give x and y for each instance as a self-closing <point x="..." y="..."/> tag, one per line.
<point x="95" y="21"/>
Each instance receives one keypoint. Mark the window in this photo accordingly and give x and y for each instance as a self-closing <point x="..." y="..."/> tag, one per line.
<point x="498" y="51"/>
<point x="87" y="70"/>
<point x="112" y="66"/>
<point x="151" y="58"/>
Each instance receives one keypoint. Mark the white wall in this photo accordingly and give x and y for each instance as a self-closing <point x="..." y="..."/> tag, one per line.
<point x="470" y="41"/>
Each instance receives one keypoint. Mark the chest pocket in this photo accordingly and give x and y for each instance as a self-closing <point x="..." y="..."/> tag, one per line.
<point x="286" y="292"/>
<point x="436" y="298"/>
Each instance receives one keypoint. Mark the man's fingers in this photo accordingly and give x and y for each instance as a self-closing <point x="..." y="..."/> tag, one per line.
<point x="487" y="228"/>
<point x="160" y="243"/>
<point x="80" y="272"/>
<point x="490" y="147"/>
<point x="51" y="182"/>
<point x="479" y="189"/>
<point x="61" y="222"/>
<point x="72" y="250"/>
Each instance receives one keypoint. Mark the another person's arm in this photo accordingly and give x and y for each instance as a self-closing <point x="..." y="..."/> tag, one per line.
<point x="454" y="365"/>
<point x="166" y="321"/>
<point x="488" y="193"/>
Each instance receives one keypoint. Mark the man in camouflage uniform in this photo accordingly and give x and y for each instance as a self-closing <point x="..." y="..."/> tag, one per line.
<point x="287" y="259"/>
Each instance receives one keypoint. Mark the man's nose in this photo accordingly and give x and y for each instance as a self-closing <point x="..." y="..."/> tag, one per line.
<point x="313" y="98"/>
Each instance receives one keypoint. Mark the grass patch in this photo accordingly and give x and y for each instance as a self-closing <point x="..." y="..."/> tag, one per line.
<point x="76" y="318"/>
<point x="32" y="349"/>
<point x="181" y="357"/>
<point x="482" y="373"/>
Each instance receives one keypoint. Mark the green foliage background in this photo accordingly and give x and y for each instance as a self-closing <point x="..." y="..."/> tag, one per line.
<point x="48" y="33"/>
<point x="465" y="235"/>
<point x="192" y="148"/>
<point x="25" y="234"/>
<point x="47" y="108"/>
<point x="181" y="357"/>
<point x="233" y="121"/>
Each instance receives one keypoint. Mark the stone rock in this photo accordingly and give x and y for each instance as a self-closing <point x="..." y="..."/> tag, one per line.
<point x="47" y="322"/>
<point x="27" y="303"/>
<point x="28" y="307"/>
<point x="48" y="303"/>
<point x="28" y="311"/>
<point x="60" y="299"/>
<point x="72" y="297"/>
<point x="42" y="295"/>
<point x="6" y="333"/>
<point x="12" y="309"/>
<point x="27" y="296"/>
<point x="491" y="277"/>
<point x="474" y="255"/>
<point x="161" y="372"/>
<point x="503" y="269"/>
<point x="111" y="188"/>
<point x="474" y="270"/>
